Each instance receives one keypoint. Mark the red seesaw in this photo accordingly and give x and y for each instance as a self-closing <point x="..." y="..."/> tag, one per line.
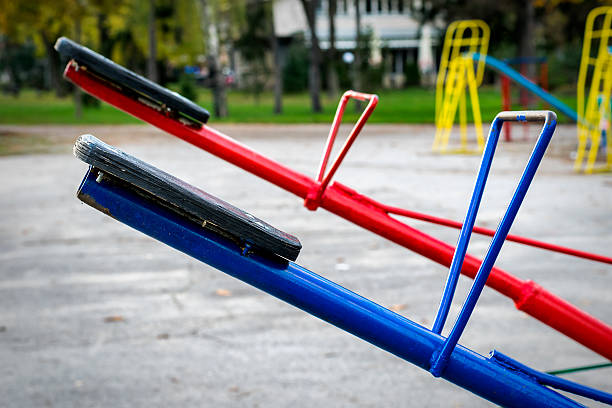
<point x="363" y="211"/>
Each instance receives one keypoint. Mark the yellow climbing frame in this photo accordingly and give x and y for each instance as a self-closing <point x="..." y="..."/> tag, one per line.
<point x="594" y="86"/>
<point x="456" y="73"/>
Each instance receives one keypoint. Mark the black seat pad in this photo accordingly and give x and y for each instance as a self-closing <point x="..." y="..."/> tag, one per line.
<point x="124" y="77"/>
<point x="187" y="198"/>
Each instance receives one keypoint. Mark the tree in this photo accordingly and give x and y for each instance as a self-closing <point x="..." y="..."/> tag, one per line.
<point x="314" y="71"/>
<point x="43" y="22"/>
<point x="78" y="94"/>
<point x="357" y="62"/>
<point x="278" y="64"/>
<point x="332" y="54"/>
<point x="254" y="45"/>
<point x="152" y="58"/>
<point x="209" y="29"/>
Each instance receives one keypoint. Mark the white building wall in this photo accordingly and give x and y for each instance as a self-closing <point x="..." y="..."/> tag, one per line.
<point x="289" y="18"/>
<point x="391" y="28"/>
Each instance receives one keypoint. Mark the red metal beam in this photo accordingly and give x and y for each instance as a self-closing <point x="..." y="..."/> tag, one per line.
<point x="347" y="203"/>
<point x="489" y="232"/>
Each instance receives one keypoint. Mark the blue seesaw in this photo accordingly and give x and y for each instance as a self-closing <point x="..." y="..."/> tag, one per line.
<point x="239" y="244"/>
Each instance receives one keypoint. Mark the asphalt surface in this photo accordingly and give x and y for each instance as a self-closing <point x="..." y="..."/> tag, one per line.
<point x="95" y="314"/>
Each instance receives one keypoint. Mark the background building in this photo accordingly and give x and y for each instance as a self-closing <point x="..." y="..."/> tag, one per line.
<point x="395" y="33"/>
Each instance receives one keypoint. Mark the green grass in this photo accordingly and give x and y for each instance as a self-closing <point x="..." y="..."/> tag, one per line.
<point x="32" y="108"/>
<point x="414" y="105"/>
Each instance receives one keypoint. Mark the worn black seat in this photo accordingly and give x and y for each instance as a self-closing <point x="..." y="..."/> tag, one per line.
<point x="125" y="78"/>
<point x="189" y="201"/>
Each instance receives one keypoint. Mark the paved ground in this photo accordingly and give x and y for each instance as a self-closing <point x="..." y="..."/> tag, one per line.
<point x="93" y="313"/>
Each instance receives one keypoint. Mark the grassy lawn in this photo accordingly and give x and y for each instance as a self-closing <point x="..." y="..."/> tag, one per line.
<point x="414" y="105"/>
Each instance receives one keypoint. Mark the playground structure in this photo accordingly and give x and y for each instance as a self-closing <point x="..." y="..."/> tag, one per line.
<point x="594" y="86"/>
<point x="457" y="73"/>
<point x="115" y="85"/>
<point x="524" y="82"/>
<point x="593" y="89"/>
<point x="541" y="66"/>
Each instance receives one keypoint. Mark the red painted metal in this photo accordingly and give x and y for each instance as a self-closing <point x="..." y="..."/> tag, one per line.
<point x="485" y="231"/>
<point x="542" y="81"/>
<point x="312" y="200"/>
<point x="506" y="105"/>
<point x="359" y="209"/>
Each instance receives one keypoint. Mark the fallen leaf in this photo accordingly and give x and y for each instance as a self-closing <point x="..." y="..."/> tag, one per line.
<point x="163" y="336"/>
<point x="398" y="307"/>
<point x="343" y="267"/>
<point x="112" y="319"/>
<point x="223" y="292"/>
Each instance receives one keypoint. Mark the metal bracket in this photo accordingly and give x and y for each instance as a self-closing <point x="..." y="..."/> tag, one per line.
<point x="313" y="198"/>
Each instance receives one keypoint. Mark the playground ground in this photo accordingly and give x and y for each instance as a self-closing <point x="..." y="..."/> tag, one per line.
<point x="93" y="313"/>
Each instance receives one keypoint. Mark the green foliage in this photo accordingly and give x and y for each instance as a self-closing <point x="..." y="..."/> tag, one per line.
<point x="412" y="74"/>
<point x="563" y="67"/>
<point x="21" y="65"/>
<point x="254" y="41"/>
<point x="90" y="101"/>
<point x="295" y="72"/>
<point x="115" y="28"/>
<point x="187" y="87"/>
<point x="253" y="44"/>
<point x="373" y="77"/>
<point x="371" y="74"/>
<point x="345" y="75"/>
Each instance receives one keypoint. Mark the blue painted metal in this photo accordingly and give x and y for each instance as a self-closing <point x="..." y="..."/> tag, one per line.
<point x="322" y="298"/>
<point x="527" y="84"/>
<point x="466" y="231"/>
<point x="552" y="380"/>
<point x="550" y="122"/>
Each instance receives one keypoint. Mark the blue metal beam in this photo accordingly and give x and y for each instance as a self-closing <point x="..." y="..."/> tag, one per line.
<point x="321" y="298"/>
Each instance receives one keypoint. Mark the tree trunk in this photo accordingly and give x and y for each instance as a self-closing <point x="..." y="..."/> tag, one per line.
<point x="357" y="62"/>
<point x="277" y="66"/>
<point x="528" y="48"/>
<point x="212" y="48"/>
<point x="314" y="70"/>
<point x="152" y="60"/>
<point x="14" y="86"/>
<point x="527" y="44"/>
<point x="332" y="72"/>
<point x="78" y="94"/>
<point x="105" y="42"/>
<point x="55" y="71"/>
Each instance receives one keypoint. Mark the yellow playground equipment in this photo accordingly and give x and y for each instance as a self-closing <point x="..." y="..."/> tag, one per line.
<point x="458" y="72"/>
<point x="595" y="79"/>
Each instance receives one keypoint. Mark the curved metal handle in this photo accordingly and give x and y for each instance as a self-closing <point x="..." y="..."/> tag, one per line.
<point x="527" y="116"/>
